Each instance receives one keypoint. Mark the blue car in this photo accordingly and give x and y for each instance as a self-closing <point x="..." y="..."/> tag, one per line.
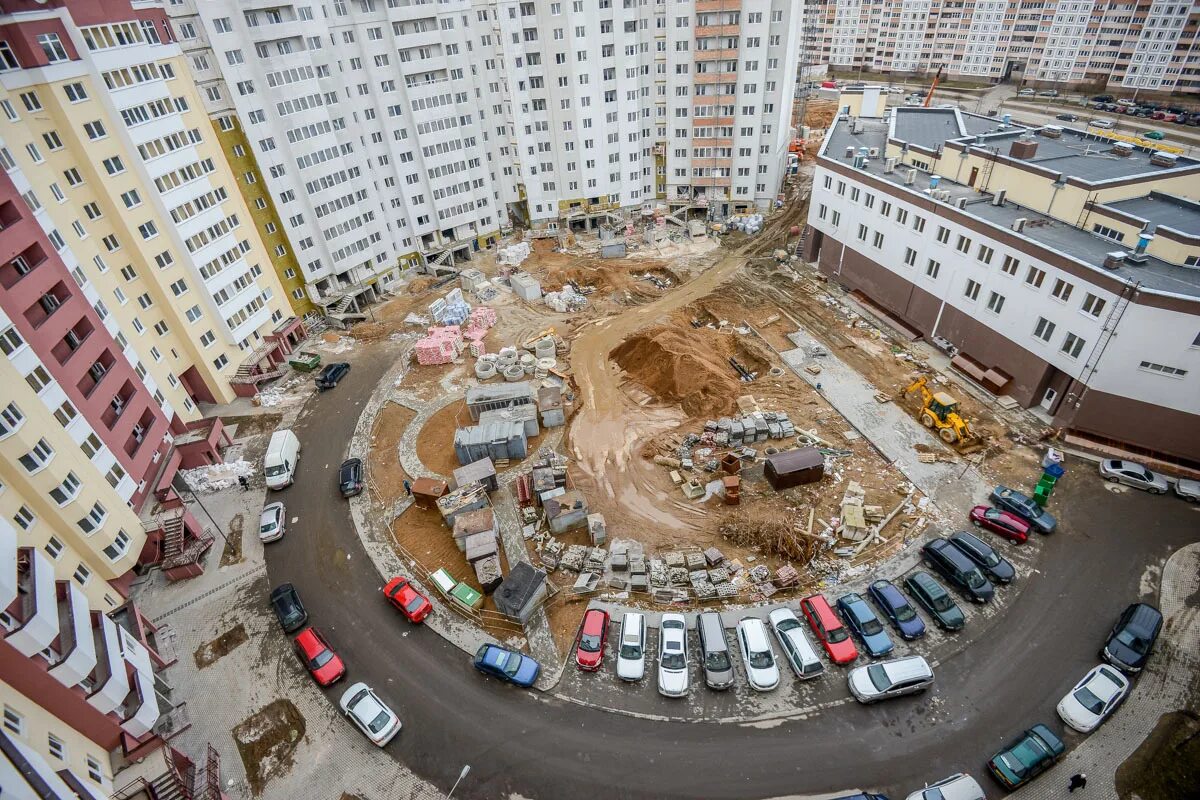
<point x="507" y="665"/>
<point x="897" y="609"/>
<point x="1023" y="506"/>
<point x="866" y="626"/>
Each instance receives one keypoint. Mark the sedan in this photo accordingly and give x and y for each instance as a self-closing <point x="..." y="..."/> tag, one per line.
<point x="1157" y="136"/>
<point x="350" y="477"/>
<point x="934" y="598"/>
<point x="994" y="566"/>
<point x="507" y="665"/>
<point x="1002" y="523"/>
<point x="285" y="601"/>
<point x="1068" y="117"/>
<point x="956" y="787"/>
<point x="866" y="626"/>
<point x="672" y="656"/>
<point x="1189" y="490"/>
<point x="1026" y="758"/>
<point x="1093" y="698"/>
<point x="331" y="374"/>
<point x="1024" y="507"/>
<point x="589" y="644"/>
<point x="896" y="608"/>
<point x="270" y="524"/>
<point x="1048" y="93"/>
<point x="1133" y="474"/>
<point x="369" y="714"/>
<point x="631" y="655"/>
<point x="403" y="595"/>
<point x="762" y="672"/>
<point x="318" y="657"/>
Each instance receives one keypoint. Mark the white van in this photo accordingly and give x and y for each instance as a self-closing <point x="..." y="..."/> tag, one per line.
<point x="797" y="650"/>
<point x="283" y="454"/>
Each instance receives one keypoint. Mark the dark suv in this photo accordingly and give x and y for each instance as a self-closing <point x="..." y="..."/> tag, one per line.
<point x="994" y="566"/>
<point x="287" y="606"/>
<point x="350" y="477"/>
<point x="1132" y="638"/>
<point x="961" y="571"/>
<point x="329" y="377"/>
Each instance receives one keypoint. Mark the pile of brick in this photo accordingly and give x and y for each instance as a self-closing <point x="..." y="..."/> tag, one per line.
<point x="477" y="325"/>
<point x="441" y="345"/>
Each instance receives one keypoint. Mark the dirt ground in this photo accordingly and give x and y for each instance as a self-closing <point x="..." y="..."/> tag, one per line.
<point x="210" y="653"/>
<point x="435" y="444"/>
<point x="231" y="553"/>
<point x="387" y="475"/>
<point x="266" y="741"/>
<point x="1166" y="766"/>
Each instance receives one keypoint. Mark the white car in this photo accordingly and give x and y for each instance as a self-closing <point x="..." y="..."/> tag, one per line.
<point x="957" y="787"/>
<point x="887" y="679"/>
<point x="761" y="670"/>
<point x="271" y="523"/>
<point x="1189" y="490"/>
<point x="1133" y="474"/>
<point x="369" y="714"/>
<point x="1102" y="123"/>
<point x="631" y="647"/>
<point x="672" y="656"/>
<point x="1093" y="698"/>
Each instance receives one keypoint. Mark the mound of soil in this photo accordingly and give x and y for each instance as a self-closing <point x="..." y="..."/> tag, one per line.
<point x="688" y="367"/>
<point x="210" y="653"/>
<point x="266" y="741"/>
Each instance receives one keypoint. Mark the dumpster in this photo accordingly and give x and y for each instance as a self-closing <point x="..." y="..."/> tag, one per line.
<point x="304" y="361"/>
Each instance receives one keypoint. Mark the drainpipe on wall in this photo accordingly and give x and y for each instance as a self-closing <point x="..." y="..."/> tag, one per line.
<point x="841" y="256"/>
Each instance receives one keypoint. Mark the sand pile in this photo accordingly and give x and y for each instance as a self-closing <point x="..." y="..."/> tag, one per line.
<point x="689" y="367"/>
<point x="820" y="113"/>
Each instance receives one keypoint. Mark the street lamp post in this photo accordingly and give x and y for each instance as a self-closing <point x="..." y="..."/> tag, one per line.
<point x="465" y="771"/>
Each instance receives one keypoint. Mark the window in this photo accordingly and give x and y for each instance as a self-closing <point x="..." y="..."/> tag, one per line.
<point x="972" y="291"/>
<point x="1108" y="233"/>
<point x="901" y="216"/>
<point x="65" y="413"/>
<point x="94" y="771"/>
<point x="10" y="341"/>
<point x="932" y="268"/>
<point x="885" y="208"/>
<point x="95" y="130"/>
<point x="1062" y="289"/>
<point x="220" y="361"/>
<point x="862" y="232"/>
<point x="1174" y="372"/>
<point x="995" y="302"/>
<point x="66" y="491"/>
<point x="943" y="234"/>
<point x="11" y="418"/>
<point x="1044" y="329"/>
<point x="14" y="723"/>
<point x="985" y="254"/>
<point x="94" y="519"/>
<point x="1073" y="345"/>
<point x="910" y="257"/>
<point x="24" y="517"/>
<point x="835" y="218"/>
<point x="82" y="576"/>
<point x="91" y="445"/>
<point x="54" y="547"/>
<point x="877" y="240"/>
<point x="114" y="165"/>
<point x="1093" y="305"/>
<point x="31" y="101"/>
<point x="36" y="459"/>
<point x="116" y="473"/>
<point x="55" y="745"/>
<point x="131" y="199"/>
<point x="918" y="224"/>
<point x="8" y="59"/>
<point x="38" y="379"/>
<point x="1010" y="265"/>
<point x="1035" y="277"/>
<point x="52" y="47"/>
<point x="964" y="244"/>
<point x="118" y="547"/>
<point x="75" y="92"/>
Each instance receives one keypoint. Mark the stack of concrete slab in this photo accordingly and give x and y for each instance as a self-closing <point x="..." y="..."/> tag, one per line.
<point x="757" y="426"/>
<point x="499" y="441"/>
<point x="526" y="414"/>
<point x="526" y="287"/>
<point x="461" y="500"/>
<point x="500" y="395"/>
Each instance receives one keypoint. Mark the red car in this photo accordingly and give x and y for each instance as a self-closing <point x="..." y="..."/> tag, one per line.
<point x="589" y="644"/>
<point x="1001" y="523"/>
<point x="829" y="629"/>
<point x="405" y="597"/>
<point x="318" y="657"/>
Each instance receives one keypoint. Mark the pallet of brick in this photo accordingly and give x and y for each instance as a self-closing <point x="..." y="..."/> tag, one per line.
<point x="674" y="559"/>
<point x="694" y="561"/>
<point x="697" y="576"/>
<point x="718" y="575"/>
<point x="659" y="573"/>
<point x="574" y="557"/>
<point x="431" y="351"/>
<point x="639" y="583"/>
<point x="714" y="557"/>
<point x="704" y="590"/>
<point x="786" y="576"/>
<point x="678" y="576"/>
<point x="726" y="590"/>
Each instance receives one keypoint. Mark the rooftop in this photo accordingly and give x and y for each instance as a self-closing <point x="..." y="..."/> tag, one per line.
<point x="1088" y="248"/>
<point x="1162" y="209"/>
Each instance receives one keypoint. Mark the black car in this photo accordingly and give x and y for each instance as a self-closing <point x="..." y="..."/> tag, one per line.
<point x="288" y="608"/>
<point x="331" y="374"/>
<point x="1103" y="98"/>
<point x="994" y="566"/>
<point x="350" y="477"/>
<point x="1068" y="117"/>
<point x="1132" y="638"/>
<point x="961" y="571"/>
<point x="934" y="598"/>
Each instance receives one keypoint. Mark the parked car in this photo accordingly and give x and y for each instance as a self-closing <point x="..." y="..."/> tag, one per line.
<point x="1093" y="698"/>
<point x="1026" y="758"/>
<point x="1155" y="135"/>
<point x="829" y="629"/>
<point x="994" y="566"/>
<point x="272" y="523"/>
<point x="1132" y="638"/>
<point x="285" y="601"/>
<point x="318" y="657"/>
<point x="954" y="565"/>
<point x="350" y="477"/>
<point x="1026" y="93"/>
<point x="888" y="679"/>
<point x="891" y="601"/>
<point x="957" y="787"/>
<point x="761" y="671"/>
<point x="589" y="643"/>
<point x="507" y="665"/>
<point x="1189" y="490"/>
<point x="1068" y="117"/>
<point x="631" y="647"/>
<point x="797" y="650"/>
<point x="934" y="598"/>
<point x="329" y="376"/>
<point x="1133" y="474"/>
<point x="1002" y="523"/>
<point x="403" y="595"/>
<point x="862" y="621"/>
<point x="672" y="656"/>
<point x="1126" y="102"/>
<point x="1024" y="507"/>
<point x="369" y="714"/>
<point x="714" y="651"/>
<point x="1103" y="98"/>
<point x="1102" y="123"/>
<point x="1048" y="93"/>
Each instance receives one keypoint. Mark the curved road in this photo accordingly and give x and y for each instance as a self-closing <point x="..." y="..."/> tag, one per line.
<point x="521" y="743"/>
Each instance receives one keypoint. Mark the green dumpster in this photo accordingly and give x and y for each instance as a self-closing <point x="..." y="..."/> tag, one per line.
<point x="304" y="361"/>
<point x="469" y="597"/>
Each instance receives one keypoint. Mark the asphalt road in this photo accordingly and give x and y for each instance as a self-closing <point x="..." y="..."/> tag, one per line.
<point x="539" y="747"/>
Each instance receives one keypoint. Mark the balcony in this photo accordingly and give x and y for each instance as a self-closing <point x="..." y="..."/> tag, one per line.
<point x="714" y="54"/>
<point x="75" y="647"/>
<point x="96" y="373"/>
<point x="109" y="680"/>
<point x="140" y="431"/>
<point x="718" y="30"/>
<point x="47" y="305"/>
<point x="72" y="341"/>
<point x="118" y="405"/>
<point x="32" y="618"/>
<point x="717" y="5"/>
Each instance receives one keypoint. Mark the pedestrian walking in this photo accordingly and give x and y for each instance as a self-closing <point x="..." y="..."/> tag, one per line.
<point x="408" y="488"/>
<point x="244" y="482"/>
<point x="1078" y="781"/>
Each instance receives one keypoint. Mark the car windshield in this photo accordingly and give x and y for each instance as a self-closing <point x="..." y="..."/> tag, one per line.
<point x="716" y="662"/>
<point x="589" y="643"/>
<point x="633" y="651"/>
<point x="992" y="513"/>
<point x="974" y="578"/>
<point x="904" y="613"/>
<point x="414" y="605"/>
<point x="837" y="635"/>
<point x="1131" y="641"/>
<point x="380" y="722"/>
<point x="879" y="678"/>
<point x="990" y="559"/>
<point x="512" y="664"/>
<point x="267" y="527"/>
<point x="672" y="660"/>
<point x="1025" y="755"/>
<point x="761" y="659"/>
<point x="872" y="627"/>
<point x="321" y="659"/>
<point x="1089" y="700"/>
<point x="275" y="470"/>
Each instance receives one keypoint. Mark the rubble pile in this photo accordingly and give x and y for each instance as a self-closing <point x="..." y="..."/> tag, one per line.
<point x="513" y="255"/>
<point x="565" y="300"/>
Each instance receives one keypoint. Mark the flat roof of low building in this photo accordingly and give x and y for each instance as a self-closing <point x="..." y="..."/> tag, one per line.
<point x="1166" y="210"/>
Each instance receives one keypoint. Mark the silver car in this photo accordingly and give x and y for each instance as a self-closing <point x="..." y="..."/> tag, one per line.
<point x="887" y="679"/>
<point x="672" y="656"/>
<point x="1133" y="474"/>
<point x="1189" y="490"/>
<point x="271" y="524"/>
<point x="957" y="787"/>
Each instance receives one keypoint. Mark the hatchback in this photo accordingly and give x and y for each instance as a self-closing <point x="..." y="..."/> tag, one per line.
<point x="956" y="787"/>
<point x="631" y="647"/>
<point x="1093" y="698"/>
<point x="1133" y="474"/>
<point x="761" y="670"/>
<point x="994" y="566"/>
<point x="350" y="477"/>
<point x="829" y="629"/>
<point x="285" y="601"/>
<point x="896" y="608"/>
<point x="797" y="650"/>
<point x="369" y="714"/>
<point x="1024" y="507"/>
<point x="1132" y="638"/>
<point x="934" y="598"/>
<point x="331" y="374"/>
<point x="892" y="678"/>
<point x="507" y="665"/>
<point x="1027" y="757"/>
<point x="956" y="567"/>
<point x="318" y="657"/>
<point x="271" y="523"/>
<point x="1002" y="523"/>
<point x="403" y="595"/>
<point x="865" y="625"/>
<point x="672" y="656"/>
<point x="589" y="643"/>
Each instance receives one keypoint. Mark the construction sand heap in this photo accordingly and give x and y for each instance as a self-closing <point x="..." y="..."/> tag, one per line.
<point x="689" y="367"/>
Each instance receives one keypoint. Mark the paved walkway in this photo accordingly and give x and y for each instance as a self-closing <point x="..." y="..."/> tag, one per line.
<point x="1162" y="688"/>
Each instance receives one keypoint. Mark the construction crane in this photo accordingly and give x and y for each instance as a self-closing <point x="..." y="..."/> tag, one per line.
<point x="939" y="411"/>
<point x="933" y="87"/>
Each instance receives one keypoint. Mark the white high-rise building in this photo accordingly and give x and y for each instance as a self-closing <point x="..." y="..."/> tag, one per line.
<point x="396" y="131"/>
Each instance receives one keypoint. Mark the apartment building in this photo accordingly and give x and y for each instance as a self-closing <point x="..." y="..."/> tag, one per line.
<point x="1116" y="46"/>
<point x="1060" y="267"/>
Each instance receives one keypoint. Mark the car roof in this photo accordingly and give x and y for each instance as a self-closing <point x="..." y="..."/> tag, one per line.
<point x="889" y="592"/>
<point x="820" y="606"/>
<point x="594" y="620"/>
<point x="970" y="539"/>
<point x="755" y="631"/>
<point x="908" y="668"/>
<point x="310" y="641"/>
<point x="1144" y="615"/>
